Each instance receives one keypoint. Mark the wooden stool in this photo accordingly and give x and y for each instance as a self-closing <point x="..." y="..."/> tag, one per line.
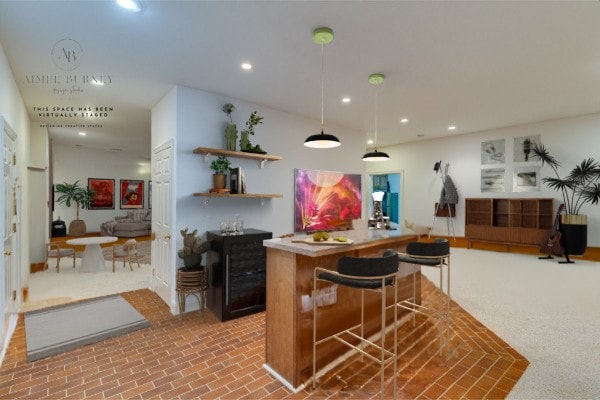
<point x="192" y="281"/>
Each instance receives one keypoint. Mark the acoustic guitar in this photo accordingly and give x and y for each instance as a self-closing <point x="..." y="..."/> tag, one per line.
<point x="552" y="244"/>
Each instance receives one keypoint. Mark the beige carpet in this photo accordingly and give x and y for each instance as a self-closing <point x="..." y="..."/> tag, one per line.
<point x="49" y="288"/>
<point x="548" y="312"/>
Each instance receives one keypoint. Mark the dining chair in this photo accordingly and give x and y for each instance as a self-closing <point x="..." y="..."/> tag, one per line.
<point x="126" y="251"/>
<point x="58" y="250"/>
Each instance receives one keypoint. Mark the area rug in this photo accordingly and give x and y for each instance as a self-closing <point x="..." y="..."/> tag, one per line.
<point x="58" y="329"/>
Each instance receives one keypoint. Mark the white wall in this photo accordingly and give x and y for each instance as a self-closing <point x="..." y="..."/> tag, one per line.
<point x="570" y="140"/>
<point x="79" y="163"/>
<point x="201" y="123"/>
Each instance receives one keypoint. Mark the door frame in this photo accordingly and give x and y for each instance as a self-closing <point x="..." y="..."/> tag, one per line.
<point x="400" y="173"/>
<point x="10" y="311"/>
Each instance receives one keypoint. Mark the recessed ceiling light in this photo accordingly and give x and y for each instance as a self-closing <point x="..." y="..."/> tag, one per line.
<point x="370" y="141"/>
<point x="346" y="100"/>
<point x="404" y="120"/>
<point x="82" y="133"/>
<point x="452" y="128"/>
<point x="246" y="66"/>
<point x="131" y="5"/>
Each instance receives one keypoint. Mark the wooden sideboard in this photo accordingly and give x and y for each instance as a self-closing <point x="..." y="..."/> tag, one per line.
<point x="290" y="267"/>
<point x="508" y="220"/>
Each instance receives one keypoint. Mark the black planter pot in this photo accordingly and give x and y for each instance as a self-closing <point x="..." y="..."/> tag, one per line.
<point x="574" y="238"/>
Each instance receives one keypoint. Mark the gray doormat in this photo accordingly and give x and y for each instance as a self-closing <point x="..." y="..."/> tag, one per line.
<point x="58" y="329"/>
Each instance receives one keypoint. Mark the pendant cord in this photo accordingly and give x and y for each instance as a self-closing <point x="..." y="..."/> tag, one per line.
<point x="376" y="109"/>
<point x="322" y="82"/>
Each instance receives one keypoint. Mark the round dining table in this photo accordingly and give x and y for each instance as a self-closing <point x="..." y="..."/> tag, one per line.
<point x="93" y="259"/>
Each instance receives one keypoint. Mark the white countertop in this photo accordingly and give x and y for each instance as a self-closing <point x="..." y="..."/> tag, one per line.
<point x="360" y="238"/>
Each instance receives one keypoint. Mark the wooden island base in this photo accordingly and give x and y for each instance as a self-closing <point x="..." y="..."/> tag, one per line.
<point x="290" y="267"/>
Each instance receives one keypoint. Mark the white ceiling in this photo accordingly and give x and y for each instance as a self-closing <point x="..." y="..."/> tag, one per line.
<point x="478" y="65"/>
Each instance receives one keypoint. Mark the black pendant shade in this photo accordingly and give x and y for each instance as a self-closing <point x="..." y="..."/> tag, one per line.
<point x="376" y="156"/>
<point x="322" y="141"/>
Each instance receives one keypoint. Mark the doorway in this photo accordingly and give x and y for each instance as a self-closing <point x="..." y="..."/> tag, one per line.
<point x="390" y="183"/>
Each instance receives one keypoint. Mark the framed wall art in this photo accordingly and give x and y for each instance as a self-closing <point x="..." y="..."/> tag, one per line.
<point x="325" y="200"/>
<point x="492" y="180"/>
<point x="132" y="193"/>
<point x="492" y="152"/>
<point x="526" y="179"/>
<point x="104" y="193"/>
<point x="522" y="148"/>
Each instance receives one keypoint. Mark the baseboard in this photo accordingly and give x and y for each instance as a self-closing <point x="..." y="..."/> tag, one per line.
<point x="37" y="267"/>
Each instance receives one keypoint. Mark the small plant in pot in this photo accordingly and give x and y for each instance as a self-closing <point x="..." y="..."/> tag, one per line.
<point x="581" y="186"/>
<point x="245" y="144"/>
<point x="220" y="166"/>
<point x="81" y="196"/>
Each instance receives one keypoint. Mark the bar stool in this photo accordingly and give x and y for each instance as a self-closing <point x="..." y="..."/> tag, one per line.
<point x="372" y="274"/>
<point x="430" y="254"/>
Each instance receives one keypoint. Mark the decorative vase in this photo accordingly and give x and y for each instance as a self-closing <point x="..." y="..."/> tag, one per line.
<point x="245" y="140"/>
<point x="231" y="136"/>
<point x="77" y="227"/>
<point x="573" y="229"/>
<point x="219" y="181"/>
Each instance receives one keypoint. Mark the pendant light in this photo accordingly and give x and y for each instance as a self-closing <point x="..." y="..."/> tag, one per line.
<point x="322" y="140"/>
<point x="376" y="79"/>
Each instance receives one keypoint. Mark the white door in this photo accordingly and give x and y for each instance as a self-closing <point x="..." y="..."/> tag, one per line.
<point x="10" y="246"/>
<point x="163" y="256"/>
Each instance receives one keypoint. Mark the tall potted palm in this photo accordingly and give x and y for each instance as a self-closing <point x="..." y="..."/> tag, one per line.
<point x="581" y="186"/>
<point x="74" y="193"/>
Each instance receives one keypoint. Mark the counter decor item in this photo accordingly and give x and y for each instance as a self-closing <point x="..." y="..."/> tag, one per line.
<point x="231" y="133"/>
<point x="192" y="250"/>
<point x="81" y="196"/>
<point x="220" y="166"/>
<point x="581" y="186"/>
<point x="245" y="144"/>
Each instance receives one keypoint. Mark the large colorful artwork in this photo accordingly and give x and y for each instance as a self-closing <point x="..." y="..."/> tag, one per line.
<point x="132" y="193"/>
<point x="104" y="194"/>
<point x="326" y="200"/>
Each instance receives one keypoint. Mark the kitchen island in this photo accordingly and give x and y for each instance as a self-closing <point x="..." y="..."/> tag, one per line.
<point x="290" y="266"/>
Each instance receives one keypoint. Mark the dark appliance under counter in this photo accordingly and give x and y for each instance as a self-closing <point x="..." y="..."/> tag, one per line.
<point x="238" y="271"/>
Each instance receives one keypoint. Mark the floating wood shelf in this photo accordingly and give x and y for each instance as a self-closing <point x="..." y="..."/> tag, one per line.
<point x="207" y="151"/>
<point x="245" y="195"/>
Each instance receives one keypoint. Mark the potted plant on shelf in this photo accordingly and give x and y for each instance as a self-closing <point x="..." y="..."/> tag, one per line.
<point x="231" y="129"/>
<point x="81" y="196"/>
<point x="220" y="166"/>
<point x="581" y="186"/>
<point x="245" y="144"/>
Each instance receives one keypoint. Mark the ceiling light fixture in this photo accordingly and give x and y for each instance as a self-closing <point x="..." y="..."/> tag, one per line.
<point x="376" y="79"/>
<point x="404" y="120"/>
<point x="131" y="5"/>
<point x="82" y="133"/>
<point x="346" y="100"/>
<point x="322" y="140"/>
<point x="246" y="66"/>
<point x="452" y="128"/>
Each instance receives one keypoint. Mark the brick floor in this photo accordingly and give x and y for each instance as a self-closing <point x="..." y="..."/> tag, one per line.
<point x="197" y="356"/>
